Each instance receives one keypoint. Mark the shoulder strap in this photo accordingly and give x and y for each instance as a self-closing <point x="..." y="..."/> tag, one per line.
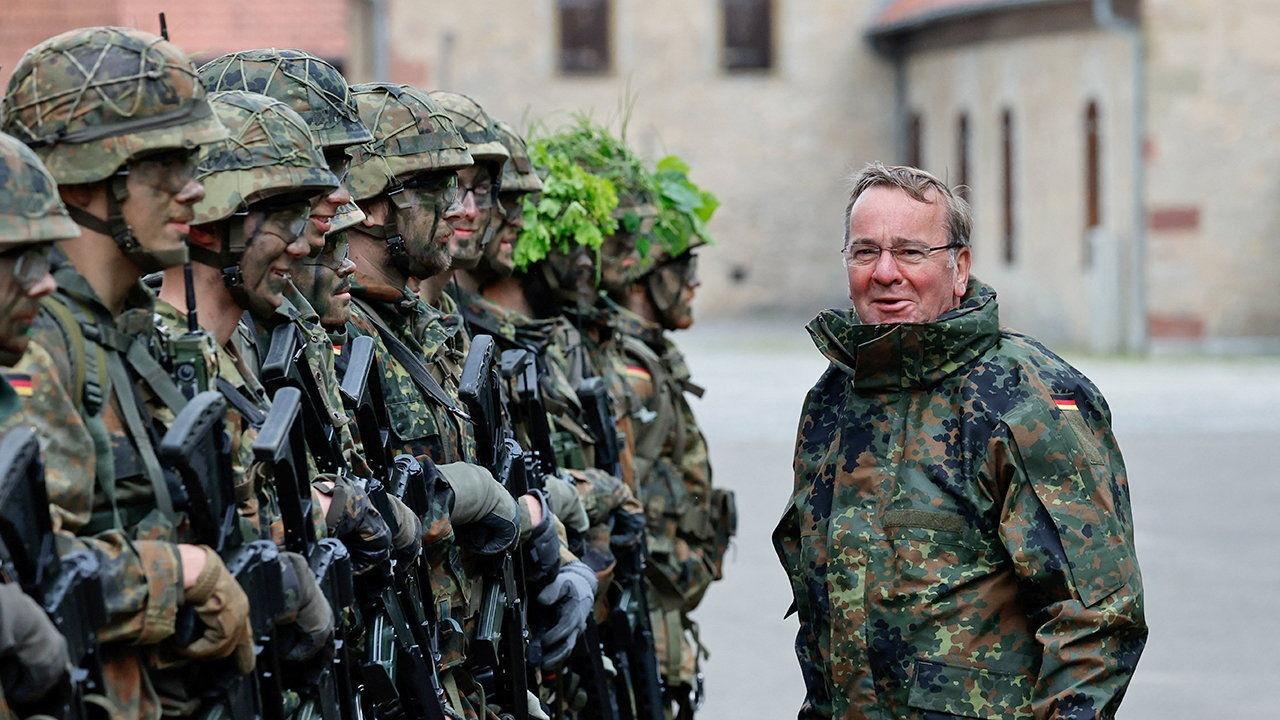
<point x="156" y="377"/>
<point x="413" y="365"/>
<point x="88" y="371"/>
<point x="250" y="412"/>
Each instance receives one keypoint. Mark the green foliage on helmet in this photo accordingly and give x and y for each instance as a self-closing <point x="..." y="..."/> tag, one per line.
<point x="90" y="100"/>
<point x="684" y="209"/>
<point x="575" y="209"/>
<point x="312" y="87"/>
<point x="270" y="152"/>
<point x="519" y="174"/>
<point x="602" y="153"/>
<point x="475" y="125"/>
<point x="30" y="209"/>
<point x="411" y="134"/>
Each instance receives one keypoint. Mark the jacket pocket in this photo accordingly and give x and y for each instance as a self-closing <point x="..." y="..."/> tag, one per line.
<point x="970" y="692"/>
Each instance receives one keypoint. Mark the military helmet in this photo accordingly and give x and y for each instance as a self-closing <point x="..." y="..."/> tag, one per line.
<point x="30" y="209"/>
<point x="89" y="100"/>
<point x="312" y="87"/>
<point x="411" y="134"/>
<point x="269" y="152"/>
<point x="346" y="216"/>
<point x="475" y="125"/>
<point x="518" y="175"/>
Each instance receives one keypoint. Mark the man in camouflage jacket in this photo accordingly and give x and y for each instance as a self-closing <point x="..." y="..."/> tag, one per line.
<point x="959" y="541"/>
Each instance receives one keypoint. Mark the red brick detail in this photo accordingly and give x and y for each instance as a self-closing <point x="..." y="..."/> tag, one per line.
<point x="1173" y="219"/>
<point x="1173" y="326"/>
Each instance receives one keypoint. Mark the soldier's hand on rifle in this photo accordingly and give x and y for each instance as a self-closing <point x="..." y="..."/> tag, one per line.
<point x="220" y="605"/>
<point x="543" y="544"/>
<point x="351" y="518"/>
<point x="566" y="503"/>
<point x="307" y="619"/>
<point x="33" y="654"/>
<point x="407" y="542"/>
<point x="570" y="596"/>
<point x="484" y="515"/>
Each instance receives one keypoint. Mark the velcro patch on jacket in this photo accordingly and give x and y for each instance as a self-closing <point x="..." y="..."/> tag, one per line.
<point x="1065" y="402"/>
<point x="21" y="383"/>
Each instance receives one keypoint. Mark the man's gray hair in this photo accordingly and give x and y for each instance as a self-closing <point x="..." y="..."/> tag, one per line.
<point x="919" y="185"/>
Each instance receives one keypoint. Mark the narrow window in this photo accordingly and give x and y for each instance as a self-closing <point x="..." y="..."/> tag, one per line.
<point x="915" y="140"/>
<point x="962" y="156"/>
<point x="748" y="34"/>
<point x="584" y="37"/>
<point x="1007" y="194"/>
<point x="1092" y="176"/>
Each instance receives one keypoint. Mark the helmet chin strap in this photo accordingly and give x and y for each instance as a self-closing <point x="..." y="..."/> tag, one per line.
<point x="227" y="261"/>
<point x="117" y="228"/>
<point x="389" y="233"/>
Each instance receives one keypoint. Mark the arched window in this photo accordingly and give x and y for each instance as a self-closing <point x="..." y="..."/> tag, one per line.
<point x="584" y="36"/>
<point x="1006" y="183"/>
<point x="962" y="156"/>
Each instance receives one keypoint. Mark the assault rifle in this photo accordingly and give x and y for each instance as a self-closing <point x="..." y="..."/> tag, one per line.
<point x="67" y="587"/>
<point x="404" y="612"/>
<point x="282" y="445"/>
<point x="629" y="635"/>
<point x="196" y="446"/>
<point x="502" y="631"/>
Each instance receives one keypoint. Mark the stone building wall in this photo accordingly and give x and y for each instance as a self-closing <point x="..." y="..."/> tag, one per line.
<point x="775" y="146"/>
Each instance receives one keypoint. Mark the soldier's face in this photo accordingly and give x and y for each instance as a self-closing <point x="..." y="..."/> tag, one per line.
<point x="501" y="249"/>
<point x="576" y="276"/>
<point x="326" y="206"/>
<point x="325" y="281"/>
<point x="887" y="291"/>
<point x="427" y="225"/>
<point x="277" y="242"/>
<point x="479" y="212"/>
<point x="162" y="188"/>
<point x="24" y="279"/>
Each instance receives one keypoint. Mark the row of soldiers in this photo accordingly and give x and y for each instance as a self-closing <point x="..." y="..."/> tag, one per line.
<point x="342" y="400"/>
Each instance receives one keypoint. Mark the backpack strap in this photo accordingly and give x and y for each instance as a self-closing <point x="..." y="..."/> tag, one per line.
<point x="88" y="370"/>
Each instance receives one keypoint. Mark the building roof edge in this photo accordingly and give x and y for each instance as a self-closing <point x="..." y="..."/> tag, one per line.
<point x="882" y="31"/>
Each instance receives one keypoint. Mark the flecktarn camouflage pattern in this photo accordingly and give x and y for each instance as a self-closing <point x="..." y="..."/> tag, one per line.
<point x="412" y="134"/>
<point x="30" y="209"/>
<point x="89" y="100"/>
<point x="959" y="541"/>
<point x="475" y="126"/>
<point x="310" y="86"/>
<point x="519" y="174"/>
<point x="270" y="151"/>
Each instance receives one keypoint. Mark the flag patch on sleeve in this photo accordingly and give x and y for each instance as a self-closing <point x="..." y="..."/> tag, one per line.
<point x="639" y="373"/>
<point x="20" y="382"/>
<point x="1065" y="402"/>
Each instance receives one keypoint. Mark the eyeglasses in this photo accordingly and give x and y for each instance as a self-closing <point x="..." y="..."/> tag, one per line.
<point x="334" y="255"/>
<point x="433" y="187"/>
<point x="906" y="254"/>
<point x="166" y="171"/>
<point x="483" y="194"/>
<point x="30" y="263"/>
<point x="287" y="220"/>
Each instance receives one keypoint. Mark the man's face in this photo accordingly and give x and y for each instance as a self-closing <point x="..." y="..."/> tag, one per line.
<point x="326" y="206"/>
<point x="325" y="281"/>
<point x="162" y="188"/>
<point x="894" y="291"/>
<point x="500" y="252"/>
<point x="477" y="212"/>
<point x="683" y="274"/>
<point x="575" y="274"/>
<point x="24" y="279"/>
<point x="277" y="240"/>
<point x="426" y="225"/>
<point x="620" y="254"/>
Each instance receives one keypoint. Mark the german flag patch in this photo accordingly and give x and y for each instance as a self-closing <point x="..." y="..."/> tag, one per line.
<point x="337" y="351"/>
<point x="20" y="382"/>
<point x="1065" y="402"/>
<point x="637" y="372"/>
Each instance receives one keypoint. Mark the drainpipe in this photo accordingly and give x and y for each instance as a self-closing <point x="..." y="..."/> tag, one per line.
<point x="1104" y="14"/>
<point x="379" y="41"/>
<point x="900" y="103"/>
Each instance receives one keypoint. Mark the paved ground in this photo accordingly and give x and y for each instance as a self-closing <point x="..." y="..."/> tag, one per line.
<point x="1202" y="443"/>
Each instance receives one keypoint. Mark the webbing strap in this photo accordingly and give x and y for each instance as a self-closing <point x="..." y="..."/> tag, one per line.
<point x="155" y="376"/>
<point x="250" y="412"/>
<point x="412" y="364"/>
<point x="122" y="388"/>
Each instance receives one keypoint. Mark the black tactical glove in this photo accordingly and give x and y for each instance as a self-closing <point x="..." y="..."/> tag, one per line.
<point x="353" y="520"/>
<point x="570" y="596"/>
<point x="543" y="546"/>
<point x="307" y="621"/>
<point x="33" y="654"/>
<point x="484" y="515"/>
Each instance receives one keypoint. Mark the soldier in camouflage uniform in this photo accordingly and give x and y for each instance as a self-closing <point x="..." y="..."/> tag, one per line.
<point x="404" y="181"/>
<point x="959" y="541"/>
<point x="690" y="522"/>
<point x="117" y="115"/>
<point x="33" y="655"/>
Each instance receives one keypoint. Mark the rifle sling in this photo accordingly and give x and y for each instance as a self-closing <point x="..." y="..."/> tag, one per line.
<point x="236" y="399"/>
<point x="413" y="365"/>
<point x="122" y="388"/>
